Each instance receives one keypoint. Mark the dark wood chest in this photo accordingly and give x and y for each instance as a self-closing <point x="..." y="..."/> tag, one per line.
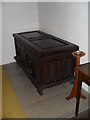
<point x="46" y="59"/>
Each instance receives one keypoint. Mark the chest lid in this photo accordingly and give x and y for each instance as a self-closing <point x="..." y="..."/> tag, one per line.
<point x="44" y="43"/>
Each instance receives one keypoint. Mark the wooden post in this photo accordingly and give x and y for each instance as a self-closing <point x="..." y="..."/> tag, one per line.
<point x="73" y="93"/>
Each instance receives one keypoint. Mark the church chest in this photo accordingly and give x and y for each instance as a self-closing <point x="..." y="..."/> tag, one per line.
<point x="46" y="59"/>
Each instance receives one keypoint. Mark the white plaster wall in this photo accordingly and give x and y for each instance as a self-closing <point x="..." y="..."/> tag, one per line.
<point x="67" y="20"/>
<point x="16" y="17"/>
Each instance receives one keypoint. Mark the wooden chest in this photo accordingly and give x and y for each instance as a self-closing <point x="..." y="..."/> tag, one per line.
<point x="46" y="59"/>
